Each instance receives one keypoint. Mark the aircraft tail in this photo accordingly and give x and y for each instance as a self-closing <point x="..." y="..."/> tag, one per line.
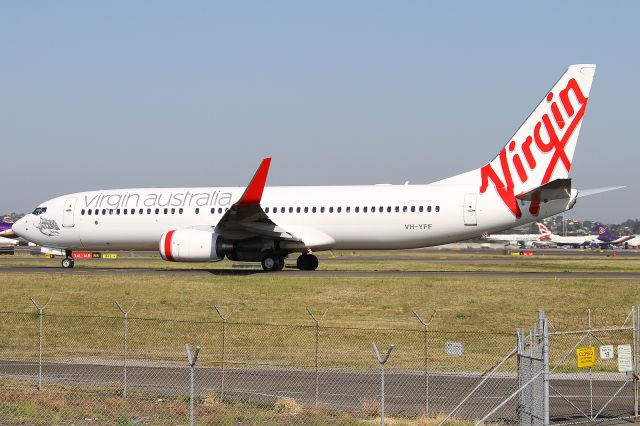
<point x="603" y="233"/>
<point x="543" y="229"/>
<point x="542" y="149"/>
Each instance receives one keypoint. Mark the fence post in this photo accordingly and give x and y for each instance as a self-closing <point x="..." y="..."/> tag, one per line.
<point x="126" y="344"/>
<point x="224" y="338"/>
<point x="544" y="329"/>
<point x="635" y="313"/>
<point x="192" y="359"/>
<point x="317" y="321"/>
<point x="40" y="313"/>
<point x="382" y="361"/>
<point x="425" y="325"/>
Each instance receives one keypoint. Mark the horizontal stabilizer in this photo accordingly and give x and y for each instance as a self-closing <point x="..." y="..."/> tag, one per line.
<point x="587" y="192"/>
<point x="555" y="190"/>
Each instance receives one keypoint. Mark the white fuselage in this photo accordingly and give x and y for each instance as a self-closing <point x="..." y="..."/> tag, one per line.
<point x="323" y="217"/>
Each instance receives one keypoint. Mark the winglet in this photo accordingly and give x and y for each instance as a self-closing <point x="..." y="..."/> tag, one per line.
<point x="253" y="193"/>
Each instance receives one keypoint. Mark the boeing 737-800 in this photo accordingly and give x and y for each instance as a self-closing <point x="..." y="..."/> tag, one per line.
<point x="528" y="180"/>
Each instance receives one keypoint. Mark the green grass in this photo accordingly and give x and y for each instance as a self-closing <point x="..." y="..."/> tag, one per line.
<point x="485" y="311"/>
<point x="23" y="404"/>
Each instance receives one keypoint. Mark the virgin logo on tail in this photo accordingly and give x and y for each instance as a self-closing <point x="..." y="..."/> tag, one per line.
<point x="539" y="149"/>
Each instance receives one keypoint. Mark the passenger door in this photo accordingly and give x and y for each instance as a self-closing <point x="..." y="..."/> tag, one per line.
<point x="469" y="210"/>
<point x="68" y="213"/>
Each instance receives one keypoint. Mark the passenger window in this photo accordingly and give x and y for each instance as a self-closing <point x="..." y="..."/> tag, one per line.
<point x="389" y="209"/>
<point x="364" y="209"/>
<point x="89" y="212"/>
<point x="104" y="211"/>
<point x="306" y="209"/>
<point x="347" y="209"/>
<point x="266" y="210"/>
<point x="220" y="210"/>
<point x="141" y="211"/>
<point x="321" y="209"/>
<point x="281" y="209"/>
<point x="330" y="209"/>
<point x="397" y="209"/>
<point x="429" y="209"/>
<point x="298" y="210"/>
<point x="290" y="209"/>
<point x="313" y="210"/>
<point x="437" y="209"/>
<point x="148" y="211"/>
<point x="357" y="209"/>
<point x="413" y="209"/>
<point x="117" y="211"/>
<point x="420" y="209"/>
<point x="166" y="211"/>
<point x="125" y="211"/>
<point x="133" y="211"/>
<point x="157" y="211"/>
<point x="82" y="212"/>
<point x="381" y="209"/>
<point x="110" y="211"/>
<point x="181" y="210"/>
<point x="404" y="209"/>
<point x="173" y="211"/>
<point x="339" y="209"/>
<point x="197" y="210"/>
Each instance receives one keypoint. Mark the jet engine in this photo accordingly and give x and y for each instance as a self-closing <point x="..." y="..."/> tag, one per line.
<point x="190" y="245"/>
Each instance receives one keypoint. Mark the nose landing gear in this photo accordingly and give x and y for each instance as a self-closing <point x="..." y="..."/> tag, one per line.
<point x="67" y="263"/>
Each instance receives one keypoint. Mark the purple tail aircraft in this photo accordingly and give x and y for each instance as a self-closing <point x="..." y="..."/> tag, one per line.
<point x="7" y="236"/>
<point x="605" y="236"/>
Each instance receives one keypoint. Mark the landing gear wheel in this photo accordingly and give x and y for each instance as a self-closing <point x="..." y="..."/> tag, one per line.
<point x="307" y="262"/>
<point x="67" y="263"/>
<point x="271" y="262"/>
<point x="280" y="264"/>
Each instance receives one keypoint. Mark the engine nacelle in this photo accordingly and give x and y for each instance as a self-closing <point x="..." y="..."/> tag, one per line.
<point x="189" y="245"/>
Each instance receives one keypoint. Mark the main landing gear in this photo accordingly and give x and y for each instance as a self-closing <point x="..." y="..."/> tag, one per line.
<point x="272" y="262"/>
<point x="307" y="262"/>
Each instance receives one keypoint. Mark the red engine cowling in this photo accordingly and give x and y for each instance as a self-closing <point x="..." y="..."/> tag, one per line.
<point x="189" y="245"/>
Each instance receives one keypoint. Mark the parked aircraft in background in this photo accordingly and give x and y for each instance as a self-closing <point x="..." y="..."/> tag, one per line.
<point x="527" y="180"/>
<point x="605" y="237"/>
<point x="567" y="241"/>
<point x="7" y="236"/>
<point x="523" y="240"/>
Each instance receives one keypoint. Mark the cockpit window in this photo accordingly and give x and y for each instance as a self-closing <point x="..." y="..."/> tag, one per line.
<point x="39" y="211"/>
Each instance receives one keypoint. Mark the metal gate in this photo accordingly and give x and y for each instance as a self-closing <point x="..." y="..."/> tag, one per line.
<point x="584" y="372"/>
<point x="593" y="370"/>
<point x="469" y="209"/>
<point x="69" y="209"/>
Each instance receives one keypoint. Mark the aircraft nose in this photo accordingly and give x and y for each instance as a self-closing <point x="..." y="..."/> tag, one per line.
<point x="21" y="227"/>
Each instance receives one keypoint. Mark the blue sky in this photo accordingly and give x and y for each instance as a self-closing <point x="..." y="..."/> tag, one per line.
<point x="125" y="94"/>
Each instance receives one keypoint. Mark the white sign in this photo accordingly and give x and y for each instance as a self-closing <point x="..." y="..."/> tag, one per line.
<point x="606" y="352"/>
<point x="625" y="360"/>
<point x="454" y="349"/>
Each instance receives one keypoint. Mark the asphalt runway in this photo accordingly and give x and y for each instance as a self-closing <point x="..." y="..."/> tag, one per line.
<point x="343" y="388"/>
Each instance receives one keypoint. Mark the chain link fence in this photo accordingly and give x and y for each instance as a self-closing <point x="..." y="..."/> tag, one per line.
<point x="58" y="369"/>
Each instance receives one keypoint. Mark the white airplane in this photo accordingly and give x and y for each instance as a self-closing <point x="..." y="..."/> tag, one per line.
<point x="571" y="241"/>
<point x="528" y="180"/>
<point x="525" y="240"/>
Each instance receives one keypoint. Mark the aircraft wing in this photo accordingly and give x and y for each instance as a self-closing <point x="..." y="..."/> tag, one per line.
<point x="246" y="218"/>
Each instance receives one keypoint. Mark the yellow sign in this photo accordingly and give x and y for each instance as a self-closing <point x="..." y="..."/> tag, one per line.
<point x="109" y="256"/>
<point x="586" y="356"/>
